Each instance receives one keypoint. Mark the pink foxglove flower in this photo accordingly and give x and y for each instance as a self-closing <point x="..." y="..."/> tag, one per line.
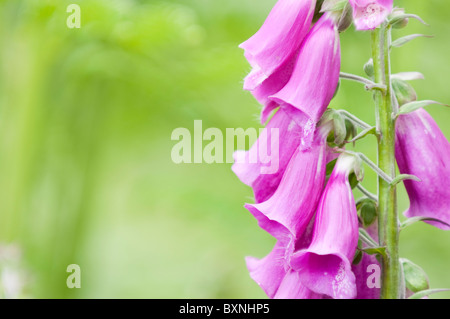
<point x="315" y="77"/>
<point x="288" y="212"/>
<point x="278" y="39"/>
<point x="325" y="266"/>
<point x="274" y="83"/>
<point x="422" y="150"/>
<point x="369" y="14"/>
<point x="274" y="275"/>
<point x="280" y="138"/>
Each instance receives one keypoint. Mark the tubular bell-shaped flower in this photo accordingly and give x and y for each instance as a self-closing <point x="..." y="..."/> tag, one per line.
<point x="315" y="77"/>
<point x="278" y="39"/>
<point x="287" y="213"/>
<point x="369" y="14"/>
<point x="273" y="84"/>
<point x="422" y="150"/>
<point x="274" y="275"/>
<point x="282" y="137"/>
<point x="325" y="266"/>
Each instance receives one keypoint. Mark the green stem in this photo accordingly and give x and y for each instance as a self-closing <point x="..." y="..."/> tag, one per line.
<point x="388" y="227"/>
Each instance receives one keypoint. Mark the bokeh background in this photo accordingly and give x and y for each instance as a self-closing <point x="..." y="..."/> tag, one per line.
<point x="86" y="117"/>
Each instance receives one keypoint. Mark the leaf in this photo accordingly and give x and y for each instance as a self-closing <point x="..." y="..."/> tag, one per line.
<point x="413" y="106"/>
<point x="408" y="76"/>
<point x="369" y="212"/>
<point x="333" y="5"/>
<point x="404" y="177"/>
<point x="368" y="131"/>
<point x="413" y="220"/>
<point x="402" y="41"/>
<point x="366" y="238"/>
<point x="375" y="251"/>
<point x="400" y="17"/>
<point x="375" y="168"/>
<point x="425" y="293"/>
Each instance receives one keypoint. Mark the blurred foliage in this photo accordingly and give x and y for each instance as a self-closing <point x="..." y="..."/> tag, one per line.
<point x="86" y="117"/>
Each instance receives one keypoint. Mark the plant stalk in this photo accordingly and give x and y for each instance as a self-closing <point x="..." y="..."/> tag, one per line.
<point x="388" y="225"/>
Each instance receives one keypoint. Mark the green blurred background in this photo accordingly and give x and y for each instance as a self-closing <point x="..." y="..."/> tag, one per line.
<point x="86" y="117"/>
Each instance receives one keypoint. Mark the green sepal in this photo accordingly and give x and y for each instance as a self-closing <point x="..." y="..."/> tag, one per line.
<point x="375" y="251"/>
<point x="413" y="106"/>
<point x="366" y="238"/>
<point x="333" y="5"/>
<point x="402" y="41"/>
<point x="408" y="76"/>
<point x="353" y="180"/>
<point x="426" y="293"/>
<point x="364" y="133"/>
<point x="414" y="220"/>
<point x="415" y="277"/>
<point x="401" y="23"/>
<point x="368" y="211"/>
<point x="351" y="130"/>
<point x="346" y="19"/>
<point x="400" y="17"/>
<point x="403" y="177"/>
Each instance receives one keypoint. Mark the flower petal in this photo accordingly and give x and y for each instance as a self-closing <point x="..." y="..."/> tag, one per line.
<point x="315" y="77"/>
<point x="278" y="39"/>
<point x="253" y="167"/>
<point x="290" y="209"/>
<point x="422" y="150"/>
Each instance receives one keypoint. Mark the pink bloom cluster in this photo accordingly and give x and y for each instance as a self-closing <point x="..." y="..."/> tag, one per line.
<point x="296" y="69"/>
<point x="295" y="73"/>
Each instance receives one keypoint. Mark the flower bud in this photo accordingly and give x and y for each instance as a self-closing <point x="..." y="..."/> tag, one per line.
<point x="368" y="68"/>
<point x="415" y="277"/>
<point x="404" y="92"/>
<point x="401" y="23"/>
<point x="346" y="18"/>
<point x="368" y="211"/>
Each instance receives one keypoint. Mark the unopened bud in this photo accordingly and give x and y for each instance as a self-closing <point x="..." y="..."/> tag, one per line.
<point x="351" y="130"/>
<point x="402" y="22"/>
<point x="404" y="92"/>
<point x="368" y="211"/>
<point x="368" y="68"/>
<point x="415" y="277"/>
<point x="346" y="18"/>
